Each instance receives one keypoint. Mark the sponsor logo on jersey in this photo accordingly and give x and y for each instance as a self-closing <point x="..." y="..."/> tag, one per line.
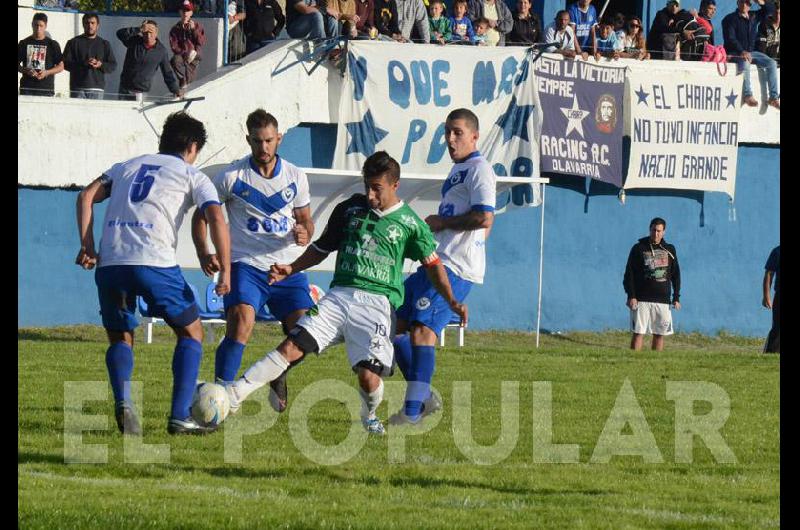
<point x="368" y="242"/>
<point x="423" y="303"/>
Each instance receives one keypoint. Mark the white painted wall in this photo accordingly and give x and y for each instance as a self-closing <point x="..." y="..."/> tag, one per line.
<point x="63" y="26"/>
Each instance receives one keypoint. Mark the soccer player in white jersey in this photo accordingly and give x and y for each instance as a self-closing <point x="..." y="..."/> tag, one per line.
<point x="149" y="196"/>
<point x="461" y="226"/>
<point x="269" y="213"/>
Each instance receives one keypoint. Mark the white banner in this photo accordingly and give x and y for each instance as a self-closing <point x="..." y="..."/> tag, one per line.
<point x="684" y="129"/>
<point x="396" y="97"/>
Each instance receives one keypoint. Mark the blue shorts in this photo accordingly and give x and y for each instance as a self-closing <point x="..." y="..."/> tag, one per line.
<point x="423" y="304"/>
<point x="164" y="289"/>
<point x="249" y="286"/>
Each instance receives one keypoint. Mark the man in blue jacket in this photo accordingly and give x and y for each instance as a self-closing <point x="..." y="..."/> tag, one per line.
<point x="740" y="32"/>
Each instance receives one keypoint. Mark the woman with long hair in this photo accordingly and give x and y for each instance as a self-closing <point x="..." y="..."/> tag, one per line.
<point x="635" y="46"/>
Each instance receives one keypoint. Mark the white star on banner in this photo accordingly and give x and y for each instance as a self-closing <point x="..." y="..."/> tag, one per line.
<point x="574" y="117"/>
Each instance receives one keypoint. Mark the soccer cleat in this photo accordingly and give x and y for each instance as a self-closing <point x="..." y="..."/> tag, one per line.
<point x="188" y="426"/>
<point x="400" y="418"/>
<point x="127" y="421"/>
<point x="233" y="399"/>
<point x="431" y="405"/>
<point x="279" y="393"/>
<point x="373" y="426"/>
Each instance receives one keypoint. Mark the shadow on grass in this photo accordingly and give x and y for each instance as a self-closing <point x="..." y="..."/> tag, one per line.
<point x="429" y="482"/>
<point x="27" y="457"/>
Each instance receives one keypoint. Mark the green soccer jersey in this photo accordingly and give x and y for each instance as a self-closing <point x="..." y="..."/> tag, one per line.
<point x="372" y="246"/>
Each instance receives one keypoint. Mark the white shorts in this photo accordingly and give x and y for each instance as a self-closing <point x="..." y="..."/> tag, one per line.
<point x="651" y="318"/>
<point x="364" y="321"/>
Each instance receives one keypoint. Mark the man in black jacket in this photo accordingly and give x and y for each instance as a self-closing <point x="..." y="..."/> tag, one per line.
<point x="144" y="56"/>
<point x="88" y="58"/>
<point x="666" y="30"/>
<point x="263" y="23"/>
<point x="652" y="267"/>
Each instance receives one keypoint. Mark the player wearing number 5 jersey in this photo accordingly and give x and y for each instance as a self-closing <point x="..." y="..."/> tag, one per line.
<point x="462" y="224"/>
<point x="149" y="196"/>
<point x="372" y="234"/>
<point x="269" y="212"/>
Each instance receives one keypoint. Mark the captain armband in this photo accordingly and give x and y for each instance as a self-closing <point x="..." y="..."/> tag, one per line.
<point x="431" y="261"/>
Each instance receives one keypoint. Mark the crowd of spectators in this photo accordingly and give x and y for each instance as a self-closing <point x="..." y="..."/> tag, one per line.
<point x="675" y="34"/>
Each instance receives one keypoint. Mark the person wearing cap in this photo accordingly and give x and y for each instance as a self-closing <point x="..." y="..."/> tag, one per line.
<point x="740" y="32"/>
<point x="145" y="55"/>
<point x="769" y="33"/>
<point x="663" y="33"/>
<point x="186" y="38"/>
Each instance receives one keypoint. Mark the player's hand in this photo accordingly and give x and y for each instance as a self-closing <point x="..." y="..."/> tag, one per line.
<point x="747" y="57"/>
<point x="597" y="56"/>
<point x="40" y="75"/>
<point x="300" y="235"/>
<point x="632" y="303"/>
<point x="676" y="305"/>
<point x="585" y="56"/>
<point x="86" y="258"/>
<point x="180" y="93"/>
<point x="436" y="222"/>
<point x="279" y="272"/>
<point x="223" y="283"/>
<point x="766" y="302"/>
<point x="209" y="264"/>
<point x="460" y="310"/>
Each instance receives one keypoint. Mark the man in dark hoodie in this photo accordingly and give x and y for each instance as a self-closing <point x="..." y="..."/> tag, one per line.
<point x="88" y="58"/>
<point x="665" y="32"/>
<point x="652" y="267"/>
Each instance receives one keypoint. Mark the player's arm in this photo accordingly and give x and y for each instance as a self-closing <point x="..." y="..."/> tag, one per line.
<point x="437" y="275"/>
<point x="472" y="220"/>
<point x="220" y="237"/>
<point x="209" y="263"/>
<point x="766" y="300"/>
<point x="312" y="256"/>
<point x="304" y="226"/>
<point x="97" y="191"/>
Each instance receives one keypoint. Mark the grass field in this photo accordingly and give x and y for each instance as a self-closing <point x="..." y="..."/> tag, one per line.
<point x="436" y="483"/>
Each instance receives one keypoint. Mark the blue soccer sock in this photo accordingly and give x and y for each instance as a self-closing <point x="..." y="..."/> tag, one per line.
<point x="119" y="361"/>
<point x="423" y="362"/>
<point x="185" y="367"/>
<point x="402" y="353"/>
<point x="228" y="359"/>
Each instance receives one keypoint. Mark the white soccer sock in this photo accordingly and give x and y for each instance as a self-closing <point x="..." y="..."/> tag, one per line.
<point x="269" y="368"/>
<point x="370" y="401"/>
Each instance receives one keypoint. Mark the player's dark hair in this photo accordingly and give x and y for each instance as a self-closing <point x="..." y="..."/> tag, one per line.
<point x="563" y="11"/>
<point x="431" y="2"/>
<point x="180" y="131"/>
<point x="456" y="2"/>
<point x="658" y="221"/>
<point x="482" y="20"/>
<point x="466" y="115"/>
<point x="40" y="16"/>
<point x="380" y="163"/>
<point x="87" y="16"/>
<point x="259" y="118"/>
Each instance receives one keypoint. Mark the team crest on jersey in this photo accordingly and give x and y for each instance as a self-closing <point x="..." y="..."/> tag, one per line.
<point x="393" y="233"/>
<point x="408" y="220"/>
<point x="423" y="303"/>
<point x="288" y="194"/>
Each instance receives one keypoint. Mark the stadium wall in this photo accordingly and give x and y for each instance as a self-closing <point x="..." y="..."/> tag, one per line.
<point x="587" y="240"/>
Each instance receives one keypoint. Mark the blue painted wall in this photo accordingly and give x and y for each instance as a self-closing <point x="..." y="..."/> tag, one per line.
<point x="587" y="241"/>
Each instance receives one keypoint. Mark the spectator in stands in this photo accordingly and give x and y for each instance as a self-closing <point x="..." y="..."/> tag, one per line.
<point x="263" y="21"/>
<point x="708" y="8"/>
<point x="772" y="269"/>
<point x="633" y="45"/>
<point x="171" y="6"/>
<point x="365" y="9"/>
<point x="619" y="26"/>
<point x="386" y="19"/>
<point x="38" y="60"/>
<point x="481" y="33"/>
<point x="144" y="56"/>
<point x="662" y="40"/>
<point x="186" y="38"/>
<point x="441" y="28"/>
<point x="739" y="29"/>
<point x="237" y="46"/>
<point x="88" y="58"/>
<point x="527" y="28"/>
<point x="604" y="41"/>
<point x="652" y="267"/>
<point x="411" y="15"/>
<point x="769" y="33"/>
<point x="64" y="4"/>
<point x="499" y="16"/>
<point x="347" y="12"/>
<point x="463" y="32"/>
<point x="560" y="33"/>
<point x="307" y="19"/>
<point x="583" y="17"/>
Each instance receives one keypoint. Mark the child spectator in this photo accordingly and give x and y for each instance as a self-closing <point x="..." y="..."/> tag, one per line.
<point x="527" y="28"/>
<point x="619" y="26"/>
<point x="604" y="41"/>
<point x="462" y="26"/>
<point x="441" y="30"/>
<point x="386" y="19"/>
<point x="482" y="35"/>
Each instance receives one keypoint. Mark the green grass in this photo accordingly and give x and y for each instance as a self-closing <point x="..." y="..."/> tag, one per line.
<point x="436" y="485"/>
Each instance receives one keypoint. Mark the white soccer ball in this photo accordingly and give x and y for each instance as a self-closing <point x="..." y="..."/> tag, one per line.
<point x="210" y="404"/>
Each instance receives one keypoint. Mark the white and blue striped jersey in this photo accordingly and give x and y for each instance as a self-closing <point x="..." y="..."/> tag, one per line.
<point x="261" y="211"/>
<point x="470" y="186"/>
<point x="150" y="196"/>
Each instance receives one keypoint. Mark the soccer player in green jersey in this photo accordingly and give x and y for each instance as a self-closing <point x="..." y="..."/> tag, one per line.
<point x="372" y="234"/>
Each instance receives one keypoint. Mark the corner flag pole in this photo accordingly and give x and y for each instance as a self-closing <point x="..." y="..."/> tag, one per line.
<point x="541" y="266"/>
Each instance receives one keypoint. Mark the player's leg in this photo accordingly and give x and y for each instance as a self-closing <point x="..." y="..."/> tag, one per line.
<point x="639" y="325"/>
<point x="117" y="306"/>
<point x="248" y="293"/>
<point x="402" y="341"/>
<point x="773" y="344"/>
<point x="636" y="341"/>
<point x="658" y="342"/>
<point x="660" y="324"/>
<point x="288" y="300"/>
<point x="371" y="390"/>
